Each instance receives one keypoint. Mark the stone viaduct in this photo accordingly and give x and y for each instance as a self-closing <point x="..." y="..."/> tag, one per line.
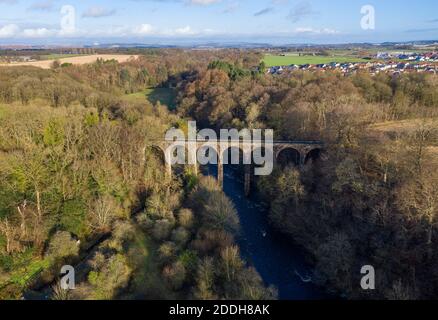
<point x="301" y="153"/>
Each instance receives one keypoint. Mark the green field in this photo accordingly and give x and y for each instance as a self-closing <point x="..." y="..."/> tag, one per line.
<point x="165" y="96"/>
<point x="274" y="60"/>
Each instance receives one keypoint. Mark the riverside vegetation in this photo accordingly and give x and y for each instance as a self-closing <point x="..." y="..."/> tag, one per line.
<point x="76" y="188"/>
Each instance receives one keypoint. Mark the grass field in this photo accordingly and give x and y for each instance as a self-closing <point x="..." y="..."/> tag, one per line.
<point x="165" y="96"/>
<point x="274" y="60"/>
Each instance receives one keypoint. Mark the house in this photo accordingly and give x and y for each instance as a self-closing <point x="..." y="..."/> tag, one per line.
<point x="401" y="65"/>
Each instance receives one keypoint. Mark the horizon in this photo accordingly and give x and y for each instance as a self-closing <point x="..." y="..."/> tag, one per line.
<point x="208" y="43"/>
<point x="185" y="22"/>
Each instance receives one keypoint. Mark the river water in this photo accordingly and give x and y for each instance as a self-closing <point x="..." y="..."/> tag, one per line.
<point x="279" y="262"/>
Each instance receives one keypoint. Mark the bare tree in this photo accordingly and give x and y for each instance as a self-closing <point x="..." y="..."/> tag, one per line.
<point x="22" y="213"/>
<point x="10" y="233"/>
<point x="231" y="261"/>
<point x="102" y="212"/>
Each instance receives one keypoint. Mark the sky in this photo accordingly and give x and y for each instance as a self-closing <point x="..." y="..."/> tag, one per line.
<point x="176" y="21"/>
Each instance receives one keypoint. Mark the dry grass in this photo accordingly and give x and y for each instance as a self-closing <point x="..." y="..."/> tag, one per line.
<point x="434" y="152"/>
<point x="402" y="125"/>
<point x="46" y="64"/>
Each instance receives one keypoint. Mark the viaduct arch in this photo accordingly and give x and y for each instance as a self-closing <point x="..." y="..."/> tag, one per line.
<point x="303" y="153"/>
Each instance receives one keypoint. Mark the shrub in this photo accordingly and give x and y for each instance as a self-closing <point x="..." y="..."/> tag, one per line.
<point x="122" y="233"/>
<point x="73" y="217"/>
<point x="175" y="275"/>
<point x="62" y="246"/>
<point x="162" y="229"/>
<point x="167" y="251"/>
<point x="145" y="222"/>
<point x="181" y="236"/>
<point x="112" y="276"/>
<point x="220" y="214"/>
<point x="185" y="218"/>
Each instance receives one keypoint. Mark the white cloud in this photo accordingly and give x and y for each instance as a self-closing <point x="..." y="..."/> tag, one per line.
<point x="310" y="30"/>
<point x="149" y="30"/>
<point x="144" y="29"/>
<point x="9" y="31"/>
<point x="38" y="33"/>
<point x="14" y="31"/>
<point x="187" y="30"/>
<point x="204" y="2"/>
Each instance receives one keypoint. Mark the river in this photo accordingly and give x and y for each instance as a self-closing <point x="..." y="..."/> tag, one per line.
<point x="279" y="262"/>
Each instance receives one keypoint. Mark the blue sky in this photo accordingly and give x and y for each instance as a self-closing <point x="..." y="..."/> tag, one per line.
<point x="172" y="21"/>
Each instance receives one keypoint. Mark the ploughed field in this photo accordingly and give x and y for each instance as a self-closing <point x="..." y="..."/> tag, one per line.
<point x="46" y="64"/>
